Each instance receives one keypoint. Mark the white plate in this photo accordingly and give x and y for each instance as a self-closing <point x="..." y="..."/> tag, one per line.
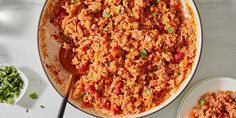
<point x="24" y="79"/>
<point x="209" y="85"/>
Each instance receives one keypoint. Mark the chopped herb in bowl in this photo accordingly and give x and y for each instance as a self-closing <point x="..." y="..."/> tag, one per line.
<point x="13" y="84"/>
<point x="10" y="84"/>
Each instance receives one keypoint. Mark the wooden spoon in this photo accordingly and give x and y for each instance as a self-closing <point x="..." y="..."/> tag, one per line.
<point x="65" y="57"/>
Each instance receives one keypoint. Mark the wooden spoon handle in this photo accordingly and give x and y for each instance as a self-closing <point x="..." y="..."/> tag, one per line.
<point x="65" y="98"/>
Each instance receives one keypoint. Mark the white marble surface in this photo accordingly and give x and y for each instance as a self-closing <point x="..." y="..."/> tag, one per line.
<point x="18" y="46"/>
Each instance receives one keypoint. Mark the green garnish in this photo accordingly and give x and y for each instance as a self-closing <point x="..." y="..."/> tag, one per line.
<point x="154" y="14"/>
<point x="123" y="1"/>
<point x="213" y="113"/>
<point x="106" y="14"/>
<point x="147" y="91"/>
<point x="155" y="67"/>
<point x="75" y="1"/>
<point x="34" y="96"/>
<point x="171" y="29"/>
<point x="10" y="84"/>
<point x="143" y="53"/>
<point x="91" y="75"/>
<point x="86" y="94"/>
<point x="157" y="1"/>
<point x="202" y="102"/>
<point x="42" y="106"/>
<point x="108" y="63"/>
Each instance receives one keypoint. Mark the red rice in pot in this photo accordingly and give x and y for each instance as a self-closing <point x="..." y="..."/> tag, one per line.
<point x="136" y="53"/>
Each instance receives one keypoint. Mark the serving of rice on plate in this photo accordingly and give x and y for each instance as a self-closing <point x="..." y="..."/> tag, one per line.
<point x="220" y="104"/>
<point x="135" y="54"/>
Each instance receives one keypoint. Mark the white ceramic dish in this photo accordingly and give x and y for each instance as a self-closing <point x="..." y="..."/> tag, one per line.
<point x="25" y="80"/>
<point x="49" y="48"/>
<point x="208" y="85"/>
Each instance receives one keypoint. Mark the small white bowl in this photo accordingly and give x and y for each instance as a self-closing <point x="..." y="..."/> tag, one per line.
<point x="25" y="81"/>
<point x="212" y="84"/>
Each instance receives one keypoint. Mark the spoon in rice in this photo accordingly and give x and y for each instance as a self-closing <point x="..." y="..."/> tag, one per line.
<point x="65" y="58"/>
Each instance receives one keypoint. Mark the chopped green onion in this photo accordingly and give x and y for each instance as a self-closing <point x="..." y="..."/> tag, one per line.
<point x="154" y="14"/>
<point x="123" y="1"/>
<point x="147" y="91"/>
<point x="106" y="14"/>
<point x="157" y="1"/>
<point x="171" y="29"/>
<point x="155" y="67"/>
<point x="86" y="94"/>
<point x="91" y="75"/>
<point x="33" y="96"/>
<point x="108" y="63"/>
<point x="143" y="53"/>
<point x="202" y="102"/>
<point x="75" y="1"/>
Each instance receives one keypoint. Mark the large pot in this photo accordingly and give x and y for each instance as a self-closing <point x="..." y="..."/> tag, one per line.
<point x="49" y="48"/>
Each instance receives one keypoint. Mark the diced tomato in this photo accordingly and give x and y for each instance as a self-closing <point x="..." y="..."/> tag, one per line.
<point x="61" y="13"/>
<point x="84" y="48"/>
<point x="83" y="68"/>
<point x="115" y="109"/>
<point x="91" y="83"/>
<point x="98" y="94"/>
<point x="87" y="105"/>
<point x="156" y="58"/>
<point x="115" y="51"/>
<point x="107" y="81"/>
<point x="155" y="83"/>
<point x="178" y="8"/>
<point x="90" y="89"/>
<point x="191" y="115"/>
<point x="149" y="67"/>
<point x="107" y="105"/>
<point x="158" y="101"/>
<point x="110" y="57"/>
<point x="178" y="56"/>
<point x="118" y="87"/>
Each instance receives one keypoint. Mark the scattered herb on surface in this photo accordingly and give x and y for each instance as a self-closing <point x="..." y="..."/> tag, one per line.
<point x="34" y="96"/>
<point x="42" y="106"/>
